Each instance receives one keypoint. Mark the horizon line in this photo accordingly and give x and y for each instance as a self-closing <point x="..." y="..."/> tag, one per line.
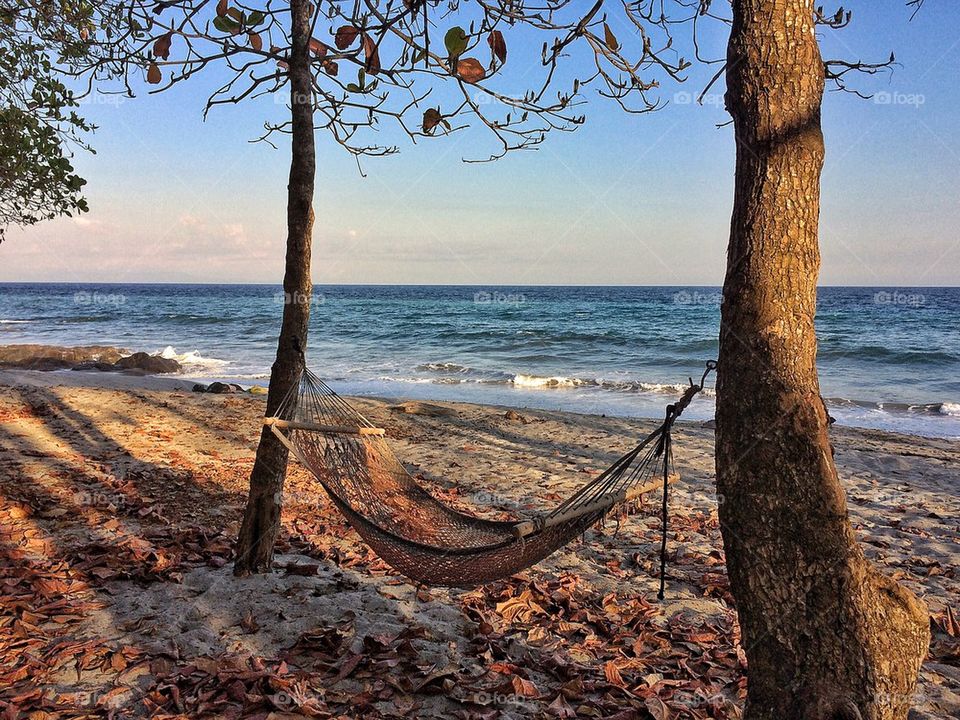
<point x="429" y="285"/>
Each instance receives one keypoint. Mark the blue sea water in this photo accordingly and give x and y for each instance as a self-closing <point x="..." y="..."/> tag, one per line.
<point x="889" y="358"/>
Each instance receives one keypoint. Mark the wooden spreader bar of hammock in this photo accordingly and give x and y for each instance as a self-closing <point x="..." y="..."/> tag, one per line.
<point x="529" y="527"/>
<point x="328" y="429"/>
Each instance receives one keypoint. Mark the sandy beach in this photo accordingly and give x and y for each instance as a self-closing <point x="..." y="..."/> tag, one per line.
<point x="120" y="498"/>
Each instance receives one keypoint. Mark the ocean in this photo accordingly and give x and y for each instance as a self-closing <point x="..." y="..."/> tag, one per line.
<point x="888" y="358"/>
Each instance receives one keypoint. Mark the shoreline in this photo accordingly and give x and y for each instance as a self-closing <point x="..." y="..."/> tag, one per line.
<point x="554" y="399"/>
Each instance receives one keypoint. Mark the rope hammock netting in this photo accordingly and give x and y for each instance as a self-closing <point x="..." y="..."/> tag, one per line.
<point x="430" y="542"/>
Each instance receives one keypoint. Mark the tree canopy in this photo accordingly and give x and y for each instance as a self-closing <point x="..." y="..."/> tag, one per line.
<point x="39" y="123"/>
<point x="430" y="68"/>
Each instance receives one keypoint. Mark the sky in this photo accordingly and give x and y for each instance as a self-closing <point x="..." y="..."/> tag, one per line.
<point x="626" y="199"/>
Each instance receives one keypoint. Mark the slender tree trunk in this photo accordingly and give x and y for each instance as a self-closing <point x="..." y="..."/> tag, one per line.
<point x="261" y="519"/>
<point x="825" y="634"/>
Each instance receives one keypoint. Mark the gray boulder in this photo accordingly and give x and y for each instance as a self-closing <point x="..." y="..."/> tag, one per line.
<point x="223" y="388"/>
<point x="151" y="364"/>
<point x="52" y="357"/>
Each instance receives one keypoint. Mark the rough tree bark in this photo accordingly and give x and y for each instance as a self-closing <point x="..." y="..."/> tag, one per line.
<point x="261" y="519"/>
<point x="825" y="634"/>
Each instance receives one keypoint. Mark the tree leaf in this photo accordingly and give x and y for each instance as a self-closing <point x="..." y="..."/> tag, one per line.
<point x="346" y="36"/>
<point x="498" y="45"/>
<point x="455" y="41"/>
<point x="255" y="18"/>
<point x="331" y="68"/>
<point x="470" y="70"/>
<point x="371" y="54"/>
<point x="610" y="38"/>
<point x="318" y="48"/>
<point x="221" y="8"/>
<point x="225" y="24"/>
<point x="161" y="47"/>
<point x="431" y="118"/>
<point x="274" y="50"/>
<point x="256" y="42"/>
<point x="153" y="74"/>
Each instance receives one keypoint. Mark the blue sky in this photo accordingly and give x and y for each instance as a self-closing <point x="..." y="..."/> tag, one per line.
<point x="625" y="199"/>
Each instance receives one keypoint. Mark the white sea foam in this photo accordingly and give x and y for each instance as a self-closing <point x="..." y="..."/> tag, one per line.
<point x="949" y="408"/>
<point x="536" y="381"/>
<point x="672" y="388"/>
<point x="193" y="363"/>
<point x="14" y="322"/>
<point x="626" y="386"/>
<point x="413" y="380"/>
<point x="443" y="367"/>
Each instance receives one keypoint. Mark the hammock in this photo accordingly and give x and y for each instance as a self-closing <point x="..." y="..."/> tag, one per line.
<point x="430" y="542"/>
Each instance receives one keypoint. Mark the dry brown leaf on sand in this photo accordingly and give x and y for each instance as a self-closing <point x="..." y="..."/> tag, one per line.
<point x="657" y="709"/>
<point x="519" y="609"/>
<point x="612" y="673"/>
<point x="561" y="708"/>
<point x="950" y="624"/>
<point x="523" y="688"/>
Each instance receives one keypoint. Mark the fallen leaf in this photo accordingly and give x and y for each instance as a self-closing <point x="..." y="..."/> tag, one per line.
<point x="951" y="625"/>
<point x="348" y="666"/>
<point x="657" y="708"/>
<point x="560" y="708"/>
<point x="612" y="673"/>
<point x="249" y="623"/>
<point x="521" y="608"/>
<point x="524" y="688"/>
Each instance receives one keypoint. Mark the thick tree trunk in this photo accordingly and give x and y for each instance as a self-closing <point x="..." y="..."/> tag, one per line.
<point x="261" y="519"/>
<point x="825" y="634"/>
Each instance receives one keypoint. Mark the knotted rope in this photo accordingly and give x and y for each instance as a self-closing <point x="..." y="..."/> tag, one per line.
<point x="664" y="450"/>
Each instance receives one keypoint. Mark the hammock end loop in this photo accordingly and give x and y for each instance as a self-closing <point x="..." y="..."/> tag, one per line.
<point x="710" y="366"/>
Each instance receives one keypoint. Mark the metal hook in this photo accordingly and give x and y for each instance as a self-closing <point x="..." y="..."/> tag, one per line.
<point x="710" y="367"/>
